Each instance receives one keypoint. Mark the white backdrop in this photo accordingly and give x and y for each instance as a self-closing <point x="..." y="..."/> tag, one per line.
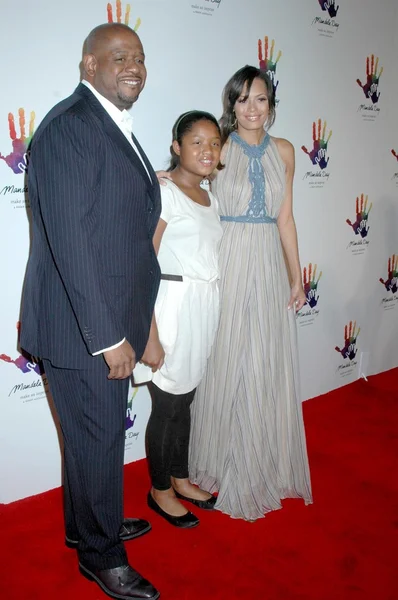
<point x="319" y="52"/>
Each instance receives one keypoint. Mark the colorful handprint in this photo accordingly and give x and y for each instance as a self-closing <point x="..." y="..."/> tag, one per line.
<point x="267" y="62"/>
<point x="349" y="349"/>
<point x="391" y="283"/>
<point x="130" y="421"/>
<point x="18" y="158"/>
<point x="320" y="145"/>
<point x="119" y="14"/>
<point x="24" y="363"/>
<point x="310" y="284"/>
<point x="330" y="6"/>
<point x="360" y="226"/>
<point x="393" y="152"/>
<point x="370" y="88"/>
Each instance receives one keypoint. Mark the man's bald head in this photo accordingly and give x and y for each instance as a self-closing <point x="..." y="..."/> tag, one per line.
<point x="114" y="63"/>
<point x="101" y="34"/>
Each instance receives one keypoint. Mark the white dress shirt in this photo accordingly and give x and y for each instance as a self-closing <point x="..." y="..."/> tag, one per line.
<point x="124" y="121"/>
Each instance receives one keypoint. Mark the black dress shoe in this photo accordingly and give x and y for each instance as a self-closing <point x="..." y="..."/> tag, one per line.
<point x="205" y="504"/>
<point x="121" y="582"/>
<point x="130" y="529"/>
<point x="186" y="521"/>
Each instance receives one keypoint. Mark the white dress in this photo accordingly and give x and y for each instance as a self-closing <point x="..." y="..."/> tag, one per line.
<point x="187" y="311"/>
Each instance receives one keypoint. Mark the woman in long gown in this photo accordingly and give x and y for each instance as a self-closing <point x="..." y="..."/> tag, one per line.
<point x="247" y="435"/>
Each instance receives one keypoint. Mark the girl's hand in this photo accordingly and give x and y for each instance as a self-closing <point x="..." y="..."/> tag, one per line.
<point x="297" y="297"/>
<point x="154" y="355"/>
<point x="164" y="175"/>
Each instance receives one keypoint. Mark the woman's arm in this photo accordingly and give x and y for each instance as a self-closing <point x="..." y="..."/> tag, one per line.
<point x="154" y="354"/>
<point x="287" y="227"/>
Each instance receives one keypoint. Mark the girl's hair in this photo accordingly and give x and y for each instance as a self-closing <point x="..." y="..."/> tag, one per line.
<point x="233" y="91"/>
<point x="183" y="125"/>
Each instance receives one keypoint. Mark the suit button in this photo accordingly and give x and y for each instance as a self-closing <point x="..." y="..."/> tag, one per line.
<point x="151" y="272"/>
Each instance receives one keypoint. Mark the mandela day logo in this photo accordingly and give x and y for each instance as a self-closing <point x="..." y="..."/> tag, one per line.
<point x="318" y="155"/>
<point x="360" y="226"/>
<point x="267" y="62"/>
<point x="327" y="24"/>
<point x="25" y="364"/>
<point x="349" y="350"/>
<point x="310" y="310"/>
<point x="390" y="300"/>
<point x="119" y="14"/>
<point x="18" y="158"/>
<point x="395" y="176"/>
<point x="370" y="109"/>
<point x="206" y="7"/>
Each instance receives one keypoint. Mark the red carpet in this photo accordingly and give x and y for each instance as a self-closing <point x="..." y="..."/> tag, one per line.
<point x="344" y="546"/>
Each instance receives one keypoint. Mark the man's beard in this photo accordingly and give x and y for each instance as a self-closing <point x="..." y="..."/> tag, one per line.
<point x="126" y="101"/>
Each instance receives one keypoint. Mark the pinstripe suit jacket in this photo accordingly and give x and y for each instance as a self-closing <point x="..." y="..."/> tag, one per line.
<point x="92" y="275"/>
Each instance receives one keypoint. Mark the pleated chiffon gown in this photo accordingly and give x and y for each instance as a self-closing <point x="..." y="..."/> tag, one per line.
<point x="247" y="434"/>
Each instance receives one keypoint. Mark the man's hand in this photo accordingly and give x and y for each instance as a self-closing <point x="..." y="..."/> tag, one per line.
<point x="163" y="175"/>
<point x="121" y="361"/>
<point x="154" y="354"/>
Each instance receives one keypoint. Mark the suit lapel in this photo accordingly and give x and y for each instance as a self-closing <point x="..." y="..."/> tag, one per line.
<point x="118" y="137"/>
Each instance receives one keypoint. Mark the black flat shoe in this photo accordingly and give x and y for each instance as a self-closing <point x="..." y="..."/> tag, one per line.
<point x="121" y="582"/>
<point x="205" y="504"/>
<point x="130" y="529"/>
<point x="186" y="521"/>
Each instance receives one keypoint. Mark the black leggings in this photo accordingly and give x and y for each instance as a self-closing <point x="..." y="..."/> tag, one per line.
<point x="168" y="436"/>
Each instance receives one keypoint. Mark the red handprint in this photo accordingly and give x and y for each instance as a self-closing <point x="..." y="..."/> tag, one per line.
<point x="350" y="338"/>
<point x="119" y="14"/>
<point x="394" y="153"/>
<point x="18" y="158"/>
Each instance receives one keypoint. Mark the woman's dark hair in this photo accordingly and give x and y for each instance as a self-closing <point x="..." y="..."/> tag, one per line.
<point x="183" y="125"/>
<point x="233" y="91"/>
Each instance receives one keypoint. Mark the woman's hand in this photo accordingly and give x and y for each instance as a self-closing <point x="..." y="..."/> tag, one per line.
<point x="297" y="297"/>
<point x="154" y="354"/>
<point x="164" y="175"/>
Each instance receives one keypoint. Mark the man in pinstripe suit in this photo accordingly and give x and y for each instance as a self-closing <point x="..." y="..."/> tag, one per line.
<point x="90" y="288"/>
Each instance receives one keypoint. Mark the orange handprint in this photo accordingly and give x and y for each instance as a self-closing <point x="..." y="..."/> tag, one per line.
<point x="267" y="62"/>
<point x="18" y="158"/>
<point x="119" y="14"/>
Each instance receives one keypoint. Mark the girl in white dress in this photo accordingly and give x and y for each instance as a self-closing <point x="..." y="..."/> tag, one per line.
<point x="186" y="313"/>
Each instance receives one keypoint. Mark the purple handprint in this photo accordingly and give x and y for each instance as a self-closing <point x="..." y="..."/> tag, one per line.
<point x="320" y="145"/>
<point x="330" y="6"/>
<point x="18" y="158"/>
<point x="130" y="422"/>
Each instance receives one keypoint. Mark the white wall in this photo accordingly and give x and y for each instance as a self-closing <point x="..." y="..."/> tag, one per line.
<point x="192" y="49"/>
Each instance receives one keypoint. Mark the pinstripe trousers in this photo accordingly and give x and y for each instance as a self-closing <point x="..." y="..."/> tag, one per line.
<point x="91" y="410"/>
